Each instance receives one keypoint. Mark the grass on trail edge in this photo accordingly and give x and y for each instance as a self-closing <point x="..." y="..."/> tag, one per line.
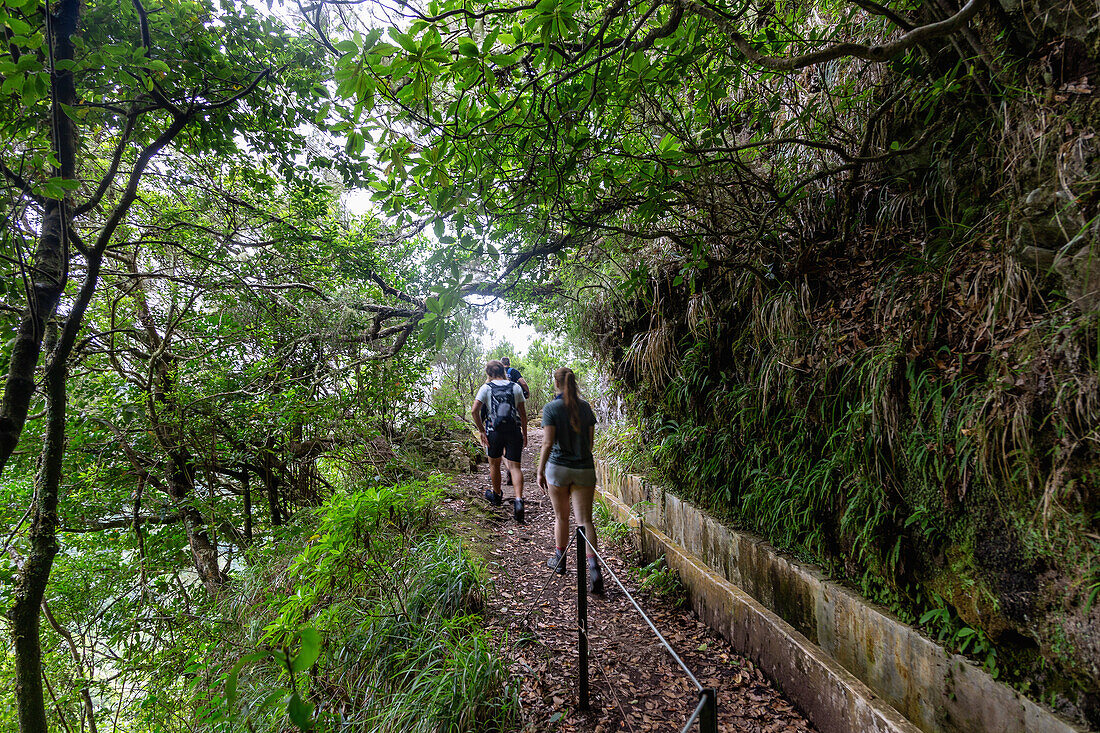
<point x="397" y="603"/>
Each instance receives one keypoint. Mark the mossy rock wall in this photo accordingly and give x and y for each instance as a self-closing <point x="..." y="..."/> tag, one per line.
<point x="913" y="401"/>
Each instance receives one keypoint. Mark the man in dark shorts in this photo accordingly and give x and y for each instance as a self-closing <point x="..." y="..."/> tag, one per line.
<point x="503" y="431"/>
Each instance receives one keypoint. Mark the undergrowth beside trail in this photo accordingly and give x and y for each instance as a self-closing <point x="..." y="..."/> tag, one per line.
<point x="947" y="474"/>
<point x="654" y="578"/>
<point x="395" y="604"/>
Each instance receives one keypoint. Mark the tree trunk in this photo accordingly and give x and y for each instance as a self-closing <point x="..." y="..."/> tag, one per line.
<point x="181" y="487"/>
<point x="166" y="420"/>
<point x="247" y="505"/>
<point x="50" y="266"/>
<point x="35" y="573"/>
<point x="271" y="482"/>
<point x="48" y="276"/>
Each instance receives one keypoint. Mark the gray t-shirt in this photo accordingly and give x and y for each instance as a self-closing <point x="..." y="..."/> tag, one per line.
<point x="571" y="448"/>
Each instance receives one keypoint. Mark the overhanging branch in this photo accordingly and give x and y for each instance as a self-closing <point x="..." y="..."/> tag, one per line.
<point x="878" y="53"/>
<point x="85" y="525"/>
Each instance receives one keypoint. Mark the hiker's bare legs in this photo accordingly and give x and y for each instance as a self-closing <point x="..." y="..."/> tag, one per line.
<point x="582" y="511"/>
<point x="494" y="474"/>
<point x="517" y="477"/>
<point x="559" y="499"/>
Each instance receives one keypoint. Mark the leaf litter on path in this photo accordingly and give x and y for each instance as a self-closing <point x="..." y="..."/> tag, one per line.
<point x="635" y="686"/>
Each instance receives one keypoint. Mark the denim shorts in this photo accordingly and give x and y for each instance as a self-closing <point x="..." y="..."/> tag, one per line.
<point x="581" y="478"/>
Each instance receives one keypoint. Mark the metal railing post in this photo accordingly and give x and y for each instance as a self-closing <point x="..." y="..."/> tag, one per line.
<point x="706" y="710"/>
<point x="708" y="718"/>
<point x="582" y="618"/>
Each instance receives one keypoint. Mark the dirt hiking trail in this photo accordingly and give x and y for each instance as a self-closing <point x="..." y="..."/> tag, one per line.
<point x="635" y="685"/>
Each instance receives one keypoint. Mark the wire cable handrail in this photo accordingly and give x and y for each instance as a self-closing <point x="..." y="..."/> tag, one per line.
<point x="706" y="711"/>
<point x="695" y="715"/>
<point x="638" y="608"/>
<point x="700" y="707"/>
<point x="549" y="580"/>
<point x="610" y="687"/>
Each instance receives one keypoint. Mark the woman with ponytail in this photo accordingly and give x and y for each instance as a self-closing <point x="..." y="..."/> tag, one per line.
<point x="566" y="469"/>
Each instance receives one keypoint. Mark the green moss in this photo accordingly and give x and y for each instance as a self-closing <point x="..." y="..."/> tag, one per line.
<point x="889" y="475"/>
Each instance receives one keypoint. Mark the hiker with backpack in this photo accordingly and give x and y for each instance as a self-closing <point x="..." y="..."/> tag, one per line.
<point x="567" y="470"/>
<point x="513" y="375"/>
<point x="500" y="414"/>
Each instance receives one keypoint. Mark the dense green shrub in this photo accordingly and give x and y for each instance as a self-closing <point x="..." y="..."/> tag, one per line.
<point x="396" y="606"/>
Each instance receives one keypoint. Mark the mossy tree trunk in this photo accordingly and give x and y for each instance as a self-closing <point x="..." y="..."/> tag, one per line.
<point x="50" y="274"/>
<point x="25" y="612"/>
<point x="50" y="269"/>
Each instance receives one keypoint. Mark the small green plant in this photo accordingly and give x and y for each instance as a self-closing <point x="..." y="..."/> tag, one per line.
<point x="1092" y="575"/>
<point x="944" y="623"/>
<point x="1093" y="591"/>
<point x="300" y="712"/>
<point x="660" y="581"/>
<point x="611" y="530"/>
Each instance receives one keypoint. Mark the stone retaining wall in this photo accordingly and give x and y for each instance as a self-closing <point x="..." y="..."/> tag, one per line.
<point x="935" y="690"/>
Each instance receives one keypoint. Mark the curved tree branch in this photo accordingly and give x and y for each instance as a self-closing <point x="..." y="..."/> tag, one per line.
<point x="102" y="524"/>
<point x="878" y="53"/>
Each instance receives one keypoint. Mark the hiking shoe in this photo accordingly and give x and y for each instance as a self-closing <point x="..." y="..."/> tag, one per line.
<point x="595" y="579"/>
<point x="518" y="510"/>
<point x="494" y="498"/>
<point x="557" y="562"/>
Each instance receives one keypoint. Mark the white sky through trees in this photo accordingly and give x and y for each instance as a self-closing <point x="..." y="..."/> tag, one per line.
<point x="502" y="327"/>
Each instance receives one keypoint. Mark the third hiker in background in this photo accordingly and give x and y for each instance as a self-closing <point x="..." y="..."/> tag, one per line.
<point x="500" y="414"/>
<point x="513" y="375"/>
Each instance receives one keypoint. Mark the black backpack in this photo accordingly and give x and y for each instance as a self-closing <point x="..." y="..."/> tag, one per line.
<point x="502" y="407"/>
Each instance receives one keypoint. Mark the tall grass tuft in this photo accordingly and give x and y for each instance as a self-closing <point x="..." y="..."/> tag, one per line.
<point x="397" y="604"/>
